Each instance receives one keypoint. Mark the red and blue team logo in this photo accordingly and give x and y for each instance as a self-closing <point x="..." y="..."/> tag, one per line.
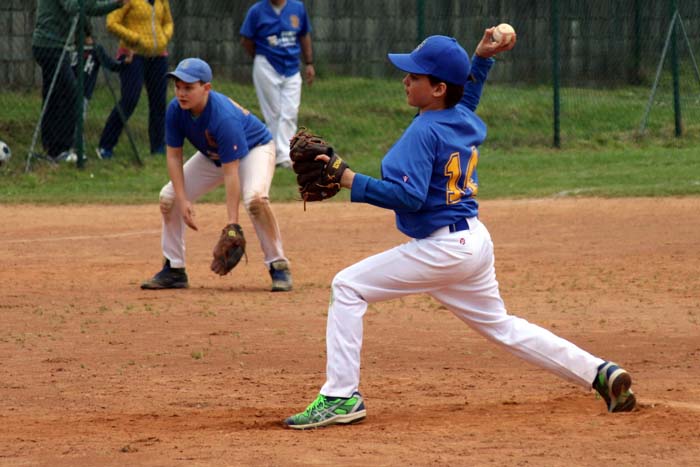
<point x="211" y="142"/>
<point x="212" y="146"/>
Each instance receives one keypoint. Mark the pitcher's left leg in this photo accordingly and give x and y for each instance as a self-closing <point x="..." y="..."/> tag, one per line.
<point x="413" y="267"/>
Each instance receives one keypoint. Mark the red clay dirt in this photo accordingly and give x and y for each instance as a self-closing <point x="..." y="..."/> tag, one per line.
<point x="95" y="371"/>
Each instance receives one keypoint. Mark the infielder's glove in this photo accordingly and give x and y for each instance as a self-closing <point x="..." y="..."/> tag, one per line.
<point x="228" y="250"/>
<point x="317" y="180"/>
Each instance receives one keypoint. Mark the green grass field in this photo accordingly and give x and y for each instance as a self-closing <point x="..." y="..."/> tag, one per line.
<point x="602" y="153"/>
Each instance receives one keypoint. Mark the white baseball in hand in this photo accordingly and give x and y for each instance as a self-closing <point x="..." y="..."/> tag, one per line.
<point x="503" y="34"/>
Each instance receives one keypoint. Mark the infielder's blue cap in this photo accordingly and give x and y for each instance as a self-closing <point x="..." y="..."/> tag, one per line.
<point x="438" y="56"/>
<point x="191" y="70"/>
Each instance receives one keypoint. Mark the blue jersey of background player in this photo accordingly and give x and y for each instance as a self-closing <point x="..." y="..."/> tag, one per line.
<point x="223" y="133"/>
<point x="276" y="34"/>
<point x="428" y="179"/>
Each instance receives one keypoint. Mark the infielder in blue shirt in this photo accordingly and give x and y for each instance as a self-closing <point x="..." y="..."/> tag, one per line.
<point x="428" y="178"/>
<point x="275" y="32"/>
<point x="234" y="148"/>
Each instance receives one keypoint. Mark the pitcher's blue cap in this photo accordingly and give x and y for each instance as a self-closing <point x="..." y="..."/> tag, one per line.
<point x="438" y="56"/>
<point x="191" y="70"/>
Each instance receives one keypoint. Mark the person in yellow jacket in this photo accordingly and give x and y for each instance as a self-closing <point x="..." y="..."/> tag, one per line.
<point x="144" y="28"/>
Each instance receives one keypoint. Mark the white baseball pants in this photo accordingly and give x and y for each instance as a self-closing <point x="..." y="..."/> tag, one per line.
<point x="202" y="176"/>
<point x="457" y="269"/>
<point x="280" y="98"/>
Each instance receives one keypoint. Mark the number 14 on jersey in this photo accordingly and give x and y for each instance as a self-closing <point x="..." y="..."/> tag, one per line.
<point x="453" y="171"/>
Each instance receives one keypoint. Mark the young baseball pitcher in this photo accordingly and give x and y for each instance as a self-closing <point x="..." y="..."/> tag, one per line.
<point x="234" y="148"/>
<point x="429" y="179"/>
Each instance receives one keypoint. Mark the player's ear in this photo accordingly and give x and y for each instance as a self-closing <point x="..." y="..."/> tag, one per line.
<point x="440" y="89"/>
<point x="207" y="86"/>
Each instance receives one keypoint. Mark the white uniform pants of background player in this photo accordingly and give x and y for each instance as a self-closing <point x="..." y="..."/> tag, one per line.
<point x="202" y="176"/>
<point x="279" y="97"/>
<point x="457" y="269"/>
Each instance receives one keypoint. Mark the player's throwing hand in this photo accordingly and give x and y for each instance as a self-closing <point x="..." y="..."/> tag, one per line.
<point x="487" y="47"/>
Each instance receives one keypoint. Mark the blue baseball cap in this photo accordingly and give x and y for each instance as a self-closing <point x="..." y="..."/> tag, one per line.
<point x="191" y="70"/>
<point x="438" y="56"/>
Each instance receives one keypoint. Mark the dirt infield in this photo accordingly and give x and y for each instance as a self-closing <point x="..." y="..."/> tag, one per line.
<point x="95" y="371"/>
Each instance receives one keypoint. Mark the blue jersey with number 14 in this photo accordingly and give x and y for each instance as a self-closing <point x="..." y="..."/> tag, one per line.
<point x="429" y="175"/>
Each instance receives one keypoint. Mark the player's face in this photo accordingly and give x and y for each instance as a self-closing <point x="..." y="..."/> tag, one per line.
<point x="422" y="94"/>
<point x="192" y="96"/>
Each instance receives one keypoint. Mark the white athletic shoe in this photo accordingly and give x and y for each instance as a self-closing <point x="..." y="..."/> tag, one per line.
<point x="67" y="156"/>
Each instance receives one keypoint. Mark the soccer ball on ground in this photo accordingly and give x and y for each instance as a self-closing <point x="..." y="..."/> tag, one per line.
<point x="5" y="153"/>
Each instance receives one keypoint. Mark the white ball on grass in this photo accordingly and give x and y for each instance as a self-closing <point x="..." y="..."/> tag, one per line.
<point x="5" y="153"/>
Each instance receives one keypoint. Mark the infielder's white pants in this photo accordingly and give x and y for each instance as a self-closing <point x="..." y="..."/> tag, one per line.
<point x="279" y="97"/>
<point x="457" y="269"/>
<point x="202" y="176"/>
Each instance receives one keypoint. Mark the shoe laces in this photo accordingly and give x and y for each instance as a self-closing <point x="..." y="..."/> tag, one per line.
<point x="321" y="402"/>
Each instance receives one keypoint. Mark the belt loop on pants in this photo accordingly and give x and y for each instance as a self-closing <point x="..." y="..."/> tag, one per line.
<point x="458" y="226"/>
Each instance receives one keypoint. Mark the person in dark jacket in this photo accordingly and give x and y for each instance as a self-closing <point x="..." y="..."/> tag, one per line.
<point x="54" y="20"/>
<point x="94" y="57"/>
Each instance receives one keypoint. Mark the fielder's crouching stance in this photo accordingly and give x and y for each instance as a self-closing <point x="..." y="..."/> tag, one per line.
<point x="234" y="148"/>
<point x="429" y="180"/>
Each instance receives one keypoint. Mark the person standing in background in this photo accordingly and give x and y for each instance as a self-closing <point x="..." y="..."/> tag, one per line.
<point x="274" y="32"/>
<point x="54" y="19"/>
<point x="94" y="57"/>
<point x="144" y="28"/>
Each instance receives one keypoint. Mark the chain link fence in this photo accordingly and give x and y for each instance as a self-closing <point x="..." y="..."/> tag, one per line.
<point x="606" y="56"/>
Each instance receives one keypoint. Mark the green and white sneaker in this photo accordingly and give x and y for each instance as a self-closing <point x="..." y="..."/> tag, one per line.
<point x="326" y="411"/>
<point x="613" y="384"/>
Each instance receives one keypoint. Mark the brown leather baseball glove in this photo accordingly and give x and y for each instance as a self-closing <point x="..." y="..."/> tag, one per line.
<point x="229" y="250"/>
<point x="317" y="180"/>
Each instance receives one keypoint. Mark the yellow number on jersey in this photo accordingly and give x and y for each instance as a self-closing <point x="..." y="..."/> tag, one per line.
<point x="469" y="182"/>
<point x="453" y="172"/>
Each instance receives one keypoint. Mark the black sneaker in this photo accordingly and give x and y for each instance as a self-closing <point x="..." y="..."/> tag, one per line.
<point x="281" y="277"/>
<point x="167" y="278"/>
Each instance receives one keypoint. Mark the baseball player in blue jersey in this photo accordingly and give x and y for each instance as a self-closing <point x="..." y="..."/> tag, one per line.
<point x="274" y="32"/>
<point x="234" y="148"/>
<point x="429" y="181"/>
